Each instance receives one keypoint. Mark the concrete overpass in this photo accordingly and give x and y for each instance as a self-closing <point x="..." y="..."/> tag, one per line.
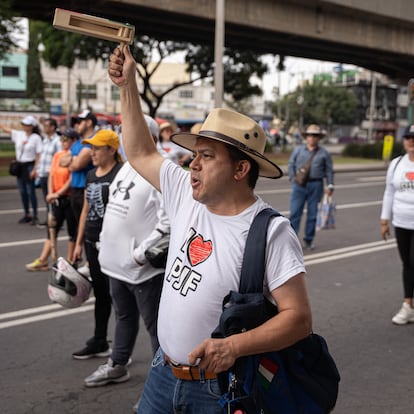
<point x="375" y="34"/>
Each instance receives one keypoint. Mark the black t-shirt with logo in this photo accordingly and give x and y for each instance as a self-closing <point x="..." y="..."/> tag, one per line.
<point x="97" y="193"/>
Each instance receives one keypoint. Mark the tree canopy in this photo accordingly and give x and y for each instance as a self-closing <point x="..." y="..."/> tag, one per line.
<point x="321" y="104"/>
<point x="9" y="27"/>
<point x="34" y="86"/>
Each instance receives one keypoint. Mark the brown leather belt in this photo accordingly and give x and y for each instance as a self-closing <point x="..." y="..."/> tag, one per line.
<point x="188" y="372"/>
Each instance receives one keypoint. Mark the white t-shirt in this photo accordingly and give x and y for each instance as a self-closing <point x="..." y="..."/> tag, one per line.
<point x="398" y="201"/>
<point x="133" y="215"/>
<point x="204" y="262"/>
<point x="26" y="147"/>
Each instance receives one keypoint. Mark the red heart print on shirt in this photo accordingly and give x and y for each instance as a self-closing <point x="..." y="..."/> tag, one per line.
<point x="410" y="175"/>
<point x="199" y="250"/>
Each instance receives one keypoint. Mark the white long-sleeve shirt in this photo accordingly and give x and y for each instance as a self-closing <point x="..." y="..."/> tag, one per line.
<point x="398" y="200"/>
<point x="134" y="220"/>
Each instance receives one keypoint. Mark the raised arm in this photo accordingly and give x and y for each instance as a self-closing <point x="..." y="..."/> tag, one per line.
<point x="138" y="142"/>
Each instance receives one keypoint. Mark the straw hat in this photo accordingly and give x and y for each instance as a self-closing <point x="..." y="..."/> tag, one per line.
<point x="314" y="129"/>
<point x="165" y="125"/>
<point x="235" y="129"/>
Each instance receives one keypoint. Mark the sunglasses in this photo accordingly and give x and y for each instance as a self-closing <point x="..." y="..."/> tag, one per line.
<point x="64" y="139"/>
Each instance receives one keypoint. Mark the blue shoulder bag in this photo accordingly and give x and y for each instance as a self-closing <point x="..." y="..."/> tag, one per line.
<point x="301" y="379"/>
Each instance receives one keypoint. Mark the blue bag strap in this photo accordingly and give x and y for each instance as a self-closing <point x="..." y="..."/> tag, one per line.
<point x="254" y="258"/>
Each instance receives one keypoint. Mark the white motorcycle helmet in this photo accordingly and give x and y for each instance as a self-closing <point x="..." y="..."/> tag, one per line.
<point x="67" y="286"/>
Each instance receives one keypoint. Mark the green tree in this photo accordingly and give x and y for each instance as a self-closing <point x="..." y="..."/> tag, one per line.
<point x="34" y="86"/>
<point x="321" y="104"/>
<point x="239" y="67"/>
<point x="149" y="53"/>
<point x="9" y="27"/>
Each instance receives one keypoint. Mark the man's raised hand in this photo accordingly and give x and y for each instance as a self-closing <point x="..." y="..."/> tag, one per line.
<point x="122" y="66"/>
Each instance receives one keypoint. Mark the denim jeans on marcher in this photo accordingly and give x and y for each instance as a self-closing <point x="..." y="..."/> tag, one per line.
<point x="165" y="394"/>
<point x="311" y="194"/>
<point x="27" y="191"/>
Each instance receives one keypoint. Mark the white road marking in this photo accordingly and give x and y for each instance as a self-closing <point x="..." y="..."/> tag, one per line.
<point x="42" y="313"/>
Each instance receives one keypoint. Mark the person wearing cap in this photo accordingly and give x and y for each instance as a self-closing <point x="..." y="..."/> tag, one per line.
<point x="51" y="144"/>
<point x="107" y="163"/>
<point x="174" y="152"/>
<point x="398" y="206"/>
<point x="210" y="208"/>
<point x="133" y="218"/>
<point x="57" y="197"/>
<point x="28" y="147"/>
<point x="312" y="191"/>
<point x="79" y="160"/>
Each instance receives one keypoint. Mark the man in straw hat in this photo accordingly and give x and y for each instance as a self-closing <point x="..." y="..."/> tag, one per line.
<point x="211" y="208"/>
<point x="310" y="192"/>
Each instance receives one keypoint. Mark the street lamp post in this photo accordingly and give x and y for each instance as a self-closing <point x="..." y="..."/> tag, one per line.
<point x="372" y="105"/>
<point x="300" y="101"/>
<point x="68" y="108"/>
<point x="218" y="54"/>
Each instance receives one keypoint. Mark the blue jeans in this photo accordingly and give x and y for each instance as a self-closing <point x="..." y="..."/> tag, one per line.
<point x="27" y="190"/>
<point x="311" y="194"/>
<point x="165" y="394"/>
<point x="130" y="301"/>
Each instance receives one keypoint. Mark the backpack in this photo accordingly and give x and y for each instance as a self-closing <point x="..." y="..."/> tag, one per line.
<point x="302" y="378"/>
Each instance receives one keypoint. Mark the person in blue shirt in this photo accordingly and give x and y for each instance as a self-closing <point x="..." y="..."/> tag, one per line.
<point x="312" y="191"/>
<point x="79" y="160"/>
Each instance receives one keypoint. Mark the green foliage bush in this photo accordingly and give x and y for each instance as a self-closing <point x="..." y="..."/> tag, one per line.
<point x="372" y="151"/>
<point x="6" y="147"/>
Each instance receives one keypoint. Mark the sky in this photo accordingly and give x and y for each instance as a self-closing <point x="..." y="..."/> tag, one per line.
<point x="296" y="69"/>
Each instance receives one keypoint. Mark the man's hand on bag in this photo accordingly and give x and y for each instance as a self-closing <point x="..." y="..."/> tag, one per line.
<point x="214" y="355"/>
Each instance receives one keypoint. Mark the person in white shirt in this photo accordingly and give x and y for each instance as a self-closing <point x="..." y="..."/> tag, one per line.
<point x="398" y="205"/>
<point x="28" y="147"/>
<point x="210" y="208"/>
<point x="174" y="152"/>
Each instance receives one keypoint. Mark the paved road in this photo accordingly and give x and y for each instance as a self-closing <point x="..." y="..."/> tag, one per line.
<point x="354" y="285"/>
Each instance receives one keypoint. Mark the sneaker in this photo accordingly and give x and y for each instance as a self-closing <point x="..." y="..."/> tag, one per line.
<point x="84" y="270"/>
<point x="308" y="245"/>
<point x="25" y="219"/>
<point x="106" y="374"/>
<point x="404" y="316"/>
<point x="93" y="350"/>
<point x="37" y="265"/>
<point x="34" y="221"/>
<point x="41" y="225"/>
